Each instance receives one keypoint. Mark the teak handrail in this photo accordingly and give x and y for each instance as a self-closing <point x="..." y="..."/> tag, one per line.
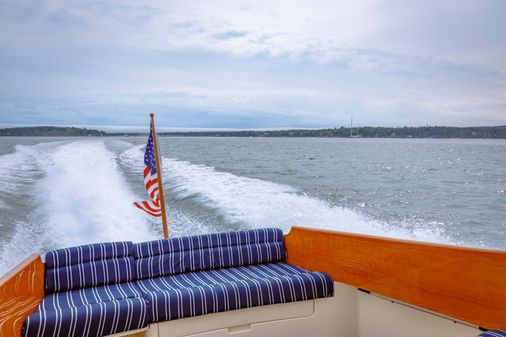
<point x="467" y="284"/>
<point x="21" y="291"/>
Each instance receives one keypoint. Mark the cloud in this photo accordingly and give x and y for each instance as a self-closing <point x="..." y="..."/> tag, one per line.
<point x="258" y="63"/>
<point x="453" y="30"/>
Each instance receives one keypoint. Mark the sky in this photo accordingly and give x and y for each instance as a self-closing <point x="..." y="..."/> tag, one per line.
<point x="253" y="64"/>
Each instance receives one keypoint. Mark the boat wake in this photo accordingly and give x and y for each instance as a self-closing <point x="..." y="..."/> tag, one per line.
<point x="75" y="194"/>
<point x="68" y="193"/>
<point x="259" y="203"/>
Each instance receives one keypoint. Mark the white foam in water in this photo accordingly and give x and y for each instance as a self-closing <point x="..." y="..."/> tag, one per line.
<point x="19" y="167"/>
<point x="81" y="198"/>
<point x="180" y="223"/>
<point x="260" y="203"/>
<point x="18" y="172"/>
<point x="88" y="198"/>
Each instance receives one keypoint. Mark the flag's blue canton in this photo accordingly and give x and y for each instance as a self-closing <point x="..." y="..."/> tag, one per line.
<point x="149" y="155"/>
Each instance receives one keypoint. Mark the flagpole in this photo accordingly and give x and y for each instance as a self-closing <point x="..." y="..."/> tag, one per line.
<point x="159" y="177"/>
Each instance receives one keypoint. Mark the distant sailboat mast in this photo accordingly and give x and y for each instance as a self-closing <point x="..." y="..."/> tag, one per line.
<point x="351" y="130"/>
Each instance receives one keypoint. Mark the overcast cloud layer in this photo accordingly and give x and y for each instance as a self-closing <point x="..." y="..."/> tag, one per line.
<point x="254" y="63"/>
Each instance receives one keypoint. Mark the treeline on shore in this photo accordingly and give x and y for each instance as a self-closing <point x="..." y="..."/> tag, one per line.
<point x="488" y="132"/>
<point x="51" y="131"/>
<point x="366" y="132"/>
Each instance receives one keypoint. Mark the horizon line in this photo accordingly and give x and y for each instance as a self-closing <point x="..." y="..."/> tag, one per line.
<point x="139" y="129"/>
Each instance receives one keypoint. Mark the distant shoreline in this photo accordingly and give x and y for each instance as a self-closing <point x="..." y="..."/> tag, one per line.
<point x="438" y="132"/>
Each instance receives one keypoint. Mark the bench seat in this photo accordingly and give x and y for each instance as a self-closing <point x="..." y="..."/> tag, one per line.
<point x="205" y="292"/>
<point x="102" y="289"/>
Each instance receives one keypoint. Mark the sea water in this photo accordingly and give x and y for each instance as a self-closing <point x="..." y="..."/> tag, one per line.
<point x="58" y="192"/>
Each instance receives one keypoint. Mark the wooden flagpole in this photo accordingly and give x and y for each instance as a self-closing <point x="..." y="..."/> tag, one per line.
<point x="159" y="177"/>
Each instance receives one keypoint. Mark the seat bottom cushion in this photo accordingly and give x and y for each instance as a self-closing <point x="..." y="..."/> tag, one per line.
<point x="204" y="292"/>
<point x="89" y="312"/>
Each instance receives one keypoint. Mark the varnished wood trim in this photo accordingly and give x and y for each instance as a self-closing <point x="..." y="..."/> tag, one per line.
<point x="21" y="290"/>
<point x="468" y="284"/>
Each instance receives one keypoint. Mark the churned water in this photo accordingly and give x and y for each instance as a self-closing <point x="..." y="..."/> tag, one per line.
<point x="61" y="192"/>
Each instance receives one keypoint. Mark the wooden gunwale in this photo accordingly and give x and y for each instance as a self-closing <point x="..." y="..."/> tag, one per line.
<point x="465" y="283"/>
<point x="21" y="291"/>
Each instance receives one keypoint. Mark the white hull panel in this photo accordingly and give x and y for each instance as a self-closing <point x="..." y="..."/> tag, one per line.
<point x="350" y="313"/>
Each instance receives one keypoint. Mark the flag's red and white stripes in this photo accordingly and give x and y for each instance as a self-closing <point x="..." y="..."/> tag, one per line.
<point x="152" y="206"/>
<point x="151" y="184"/>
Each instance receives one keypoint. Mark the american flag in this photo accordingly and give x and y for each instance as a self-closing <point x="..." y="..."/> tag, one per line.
<point x="150" y="180"/>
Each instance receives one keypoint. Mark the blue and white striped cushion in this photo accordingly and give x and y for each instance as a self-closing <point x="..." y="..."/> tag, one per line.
<point x="89" y="312"/>
<point x="89" y="265"/>
<point x="90" y="292"/>
<point x="493" y="333"/>
<point x="204" y="292"/>
<point x="222" y="250"/>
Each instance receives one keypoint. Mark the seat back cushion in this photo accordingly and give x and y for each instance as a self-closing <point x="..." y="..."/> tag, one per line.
<point x="204" y="252"/>
<point x="89" y="266"/>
